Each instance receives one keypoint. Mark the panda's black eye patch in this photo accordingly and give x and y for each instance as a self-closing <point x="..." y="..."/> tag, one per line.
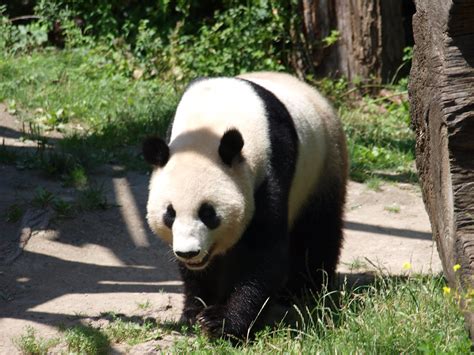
<point x="207" y="214"/>
<point x="169" y="216"/>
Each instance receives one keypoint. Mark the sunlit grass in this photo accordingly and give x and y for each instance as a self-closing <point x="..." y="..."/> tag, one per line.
<point x="390" y="314"/>
<point x="86" y="87"/>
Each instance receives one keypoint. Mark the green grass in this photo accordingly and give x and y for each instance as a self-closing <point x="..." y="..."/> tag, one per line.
<point x="144" y="305"/>
<point x="394" y="208"/>
<point x="13" y="213"/>
<point x="90" y="198"/>
<point x="379" y="139"/>
<point x="392" y="314"/>
<point x="87" y="87"/>
<point x="132" y="332"/>
<point x="30" y="344"/>
<point x="357" y="265"/>
<point x="80" y="85"/>
<point x="374" y="183"/>
<point x="82" y="339"/>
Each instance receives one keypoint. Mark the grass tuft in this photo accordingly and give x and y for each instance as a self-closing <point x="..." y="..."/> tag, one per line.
<point x="131" y="332"/>
<point x="92" y="198"/>
<point x="394" y="208"/>
<point x="13" y="213"/>
<point x="30" y="344"/>
<point x="86" y="340"/>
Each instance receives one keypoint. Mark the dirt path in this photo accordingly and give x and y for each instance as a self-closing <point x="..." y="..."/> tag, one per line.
<point x="73" y="270"/>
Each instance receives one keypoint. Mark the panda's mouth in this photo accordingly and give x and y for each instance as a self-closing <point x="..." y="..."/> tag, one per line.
<point x="201" y="264"/>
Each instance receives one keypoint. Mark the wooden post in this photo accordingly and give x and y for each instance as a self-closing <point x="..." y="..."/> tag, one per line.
<point x="442" y="109"/>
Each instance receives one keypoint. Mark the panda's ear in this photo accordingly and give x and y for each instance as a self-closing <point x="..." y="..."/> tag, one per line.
<point x="155" y="151"/>
<point x="231" y="145"/>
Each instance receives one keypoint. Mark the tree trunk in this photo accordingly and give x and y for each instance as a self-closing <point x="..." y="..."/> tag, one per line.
<point x="442" y="109"/>
<point x="371" y="38"/>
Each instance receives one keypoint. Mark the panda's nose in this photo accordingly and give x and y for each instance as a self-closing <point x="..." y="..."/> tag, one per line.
<point x="187" y="254"/>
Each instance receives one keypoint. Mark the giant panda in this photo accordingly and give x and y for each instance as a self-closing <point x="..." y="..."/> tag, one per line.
<point x="249" y="192"/>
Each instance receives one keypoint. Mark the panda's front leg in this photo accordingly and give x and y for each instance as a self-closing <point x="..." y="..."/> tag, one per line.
<point x="235" y="318"/>
<point x="194" y="296"/>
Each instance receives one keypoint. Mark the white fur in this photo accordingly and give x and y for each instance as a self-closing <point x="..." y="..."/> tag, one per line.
<point x="195" y="173"/>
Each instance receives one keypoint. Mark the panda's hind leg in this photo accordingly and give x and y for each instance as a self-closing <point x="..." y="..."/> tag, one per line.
<point x="316" y="240"/>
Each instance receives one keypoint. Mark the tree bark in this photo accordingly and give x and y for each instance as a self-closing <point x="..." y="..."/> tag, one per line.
<point x="371" y="39"/>
<point x="442" y="108"/>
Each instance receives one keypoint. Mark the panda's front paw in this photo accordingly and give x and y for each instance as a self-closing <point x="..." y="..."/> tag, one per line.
<point x="190" y="314"/>
<point x="213" y="321"/>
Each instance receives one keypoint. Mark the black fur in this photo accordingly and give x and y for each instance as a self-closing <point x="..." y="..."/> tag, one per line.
<point x="169" y="216"/>
<point x="234" y="287"/>
<point x="316" y="239"/>
<point x="207" y="214"/>
<point x="231" y="145"/>
<point x="155" y="151"/>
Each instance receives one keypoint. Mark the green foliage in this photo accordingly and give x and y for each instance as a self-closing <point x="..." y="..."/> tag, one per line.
<point x="92" y="198"/>
<point x="106" y="80"/>
<point x="335" y="90"/>
<point x="13" y="213"/>
<point x="77" y="177"/>
<point x="85" y="84"/>
<point x="240" y="39"/>
<point x="158" y="37"/>
<point x="390" y="314"/>
<point x="86" y="340"/>
<point x="374" y="183"/>
<point x="120" y="331"/>
<point x="63" y="209"/>
<point x="43" y="198"/>
<point x="408" y="314"/>
<point x="333" y="37"/>
<point x="379" y="137"/>
<point x="54" y="89"/>
<point x="394" y="208"/>
<point x="407" y="54"/>
<point x="144" y="305"/>
<point x="30" y="344"/>
<point x="20" y="38"/>
<point x="380" y="141"/>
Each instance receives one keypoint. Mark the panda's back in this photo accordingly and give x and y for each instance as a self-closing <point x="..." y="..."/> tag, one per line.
<point x="319" y="133"/>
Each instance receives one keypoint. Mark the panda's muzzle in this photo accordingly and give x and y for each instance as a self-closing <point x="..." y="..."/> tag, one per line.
<point x="185" y="258"/>
<point x="187" y="254"/>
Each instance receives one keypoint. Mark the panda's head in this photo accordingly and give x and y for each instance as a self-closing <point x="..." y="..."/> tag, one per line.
<point x="200" y="197"/>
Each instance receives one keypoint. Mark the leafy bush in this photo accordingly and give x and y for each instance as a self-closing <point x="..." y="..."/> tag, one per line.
<point x="240" y="39"/>
<point x="21" y="38"/>
<point x="153" y="38"/>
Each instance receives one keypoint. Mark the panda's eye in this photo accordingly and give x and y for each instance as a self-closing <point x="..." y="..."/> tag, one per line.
<point x="207" y="214"/>
<point x="169" y="216"/>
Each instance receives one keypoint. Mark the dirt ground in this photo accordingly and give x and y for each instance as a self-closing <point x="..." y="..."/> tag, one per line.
<point x="73" y="270"/>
